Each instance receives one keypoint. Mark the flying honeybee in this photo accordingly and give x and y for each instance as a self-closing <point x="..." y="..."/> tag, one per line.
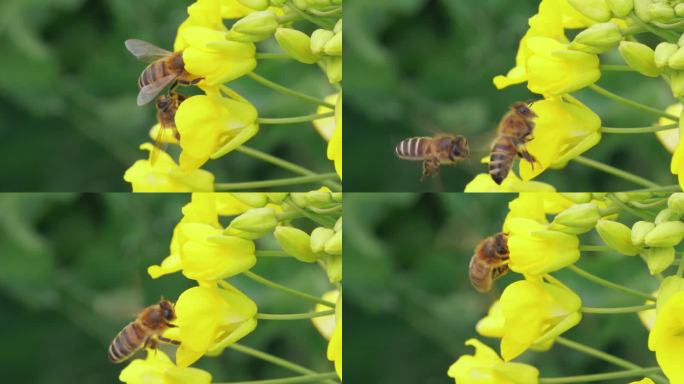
<point x="489" y="262"/>
<point x="433" y="151"/>
<point x="145" y="331"/>
<point x="515" y="129"/>
<point x="165" y="68"/>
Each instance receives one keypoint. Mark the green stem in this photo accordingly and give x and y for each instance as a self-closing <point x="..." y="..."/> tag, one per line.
<point x="264" y="281"/>
<point x="290" y="380"/>
<point x="665" y="35"/>
<point x="631" y="103"/>
<point x="296" y="119"/>
<point x="616" y="310"/>
<point x="605" y="357"/>
<point x="595" y="248"/>
<point x="270" y="56"/>
<point x="661" y="188"/>
<point x="680" y="267"/>
<point x="287" y="91"/>
<point x="633" y="211"/>
<point x="275" y="360"/>
<point x="308" y="17"/>
<point x="271" y="254"/>
<point x="294" y="316"/>
<point x="600" y="376"/>
<point x="675" y="25"/>
<point x="608" y="284"/>
<point x="284" y="164"/>
<point x="615" y="171"/>
<point x="253" y="185"/>
<point x="636" y="130"/>
<point x="320" y="219"/>
<point x="616" y="68"/>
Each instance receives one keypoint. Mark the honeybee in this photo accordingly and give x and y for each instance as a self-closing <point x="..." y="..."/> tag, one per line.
<point x="489" y="262"/>
<point x="167" y="106"/>
<point x="166" y="67"/>
<point x="515" y="130"/>
<point x="145" y="331"/>
<point x="433" y="151"/>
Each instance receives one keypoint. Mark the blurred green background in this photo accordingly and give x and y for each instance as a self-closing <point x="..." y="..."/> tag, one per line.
<point x="73" y="273"/>
<point x="419" y="67"/>
<point x="68" y="118"/>
<point x="409" y="305"/>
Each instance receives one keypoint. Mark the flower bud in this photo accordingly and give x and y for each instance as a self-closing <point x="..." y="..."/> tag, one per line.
<point x="641" y="9"/>
<point x="333" y="267"/>
<point x="639" y="57"/>
<point x="598" y="38"/>
<point x="256" y="26"/>
<point x="253" y="224"/>
<point x="334" y="46"/>
<point x="319" y="237"/>
<point x="258" y="5"/>
<point x="620" y="8"/>
<point x="338" y="26"/>
<point x="296" y="44"/>
<point x="617" y="236"/>
<point x="661" y="12"/>
<point x="295" y="243"/>
<point x="333" y="68"/>
<point x="338" y="225"/>
<point x="313" y="198"/>
<point x="679" y="9"/>
<point x="276" y="197"/>
<point x="667" y="214"/>
<point x="256" y="200"/>
<point x="594" y="9"/>
<point x="676" y="79"/>
<point x="334" y="245"/>
<point x="639" y="231"/>
<point x="676" y="60"/>
<point x="676" y="202"/>
<point x="663" y="52"/>
<point x="318" y="39"/>
<point x="337" y="197"/>
<point x="658" y="259"/>
<point x="579" y="218"/>
<point x="578" y="197"/>
<point x="666" y="234"/>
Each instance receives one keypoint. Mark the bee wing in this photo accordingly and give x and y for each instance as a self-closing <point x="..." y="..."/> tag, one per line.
<point x="145" y="51"/>
<point x="159" y="144"/>
<point x="150" y="91"/>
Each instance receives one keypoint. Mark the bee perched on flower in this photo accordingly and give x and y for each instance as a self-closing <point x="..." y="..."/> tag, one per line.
<point x="209" y="55"/>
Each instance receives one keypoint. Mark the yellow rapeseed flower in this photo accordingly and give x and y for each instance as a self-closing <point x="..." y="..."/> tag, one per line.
<point x="667" y="337"/>
<point x="326" y="324"/>
<point x="326" y="127"/>
<point x="210" y="319"/>
<point x="486" y="367"/>
<point x="563" y="130"/>
<point x="334" y="352"/>
<point x="535" y="206"/>
<point x="512" y="183"/>
<point x="645" y="380"/>
<point x="534" y="313"/>
<point x="670" y="137"/>
<point x="335" y="143"/>
<point x="166" y="176"/>
<point x="493" y="325"/>
<point x="208" y="124"/>
<point x="213" y="57"/>
<point x="207" y="255"/>
<point x="159" y="369"/>
<point x="536" y="250"/>
<point x="202" y="13"/>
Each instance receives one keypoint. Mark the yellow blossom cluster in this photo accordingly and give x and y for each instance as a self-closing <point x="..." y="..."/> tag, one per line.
<point x="213" y="314"/>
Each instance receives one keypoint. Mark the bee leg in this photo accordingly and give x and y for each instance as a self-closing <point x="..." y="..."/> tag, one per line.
<point x="150" y="343"/>
<point x="430" y="167"/>
<point x="168" y="341"/>
<point x="523" y="153"/>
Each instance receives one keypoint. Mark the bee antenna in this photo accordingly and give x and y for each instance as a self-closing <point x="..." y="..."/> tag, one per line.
<point x="529" y="102"/>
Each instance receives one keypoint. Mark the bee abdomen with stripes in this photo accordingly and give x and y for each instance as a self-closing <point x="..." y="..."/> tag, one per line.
<point x="433" y="151"/>
<point x="131" y="339"/>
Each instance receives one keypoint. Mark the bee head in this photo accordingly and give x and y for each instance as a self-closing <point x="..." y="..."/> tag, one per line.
<point x="459" y="147"/>
<point x="502" y="243"/>
<point x="163" y="102"/>
<point x="167" y="311"/>
<point x="523" y="109"/>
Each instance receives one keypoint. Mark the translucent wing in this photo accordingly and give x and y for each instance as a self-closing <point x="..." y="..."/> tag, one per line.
<point x="159" y="144"/>
<point x="145" y="51"/>
<point x="150" y="91"/>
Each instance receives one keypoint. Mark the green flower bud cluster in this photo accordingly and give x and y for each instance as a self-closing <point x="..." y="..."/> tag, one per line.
<point x="598" y="38"/>
<point x="577" y="219"/>
<point x="256" y="26"/>
<point x="319" y="5"/>
<point x="324" y="46"/>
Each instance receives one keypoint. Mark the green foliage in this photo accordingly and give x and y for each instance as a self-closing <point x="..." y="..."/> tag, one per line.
<point x="73" y="273"/>
<point x="420" y="67"/>
<point x="410" y="307"/>
<point x="68" y="88"/>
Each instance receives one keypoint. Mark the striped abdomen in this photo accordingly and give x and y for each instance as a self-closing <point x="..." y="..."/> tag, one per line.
<point x="152" y="73"/>
<point x="501" y="158"/>
<point x="132" y="338"/>
<point x="412" y="149"/>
